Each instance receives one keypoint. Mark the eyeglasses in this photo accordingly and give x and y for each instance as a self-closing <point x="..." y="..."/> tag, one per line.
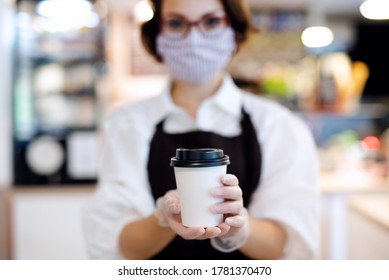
<point x="208" y="25"/>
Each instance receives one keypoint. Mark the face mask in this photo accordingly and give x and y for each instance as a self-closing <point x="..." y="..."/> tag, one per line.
<point x="196" y="58"/>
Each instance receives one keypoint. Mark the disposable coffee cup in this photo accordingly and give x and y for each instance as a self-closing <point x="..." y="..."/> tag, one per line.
<point x="197" y="171"/>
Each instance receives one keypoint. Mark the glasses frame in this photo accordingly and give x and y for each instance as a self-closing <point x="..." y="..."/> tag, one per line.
<point x="191" y="24"/>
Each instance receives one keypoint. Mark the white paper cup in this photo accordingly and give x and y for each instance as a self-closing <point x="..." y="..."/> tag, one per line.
<point x="197" y="171"/>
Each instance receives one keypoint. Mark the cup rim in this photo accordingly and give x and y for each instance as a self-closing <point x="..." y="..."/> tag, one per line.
<point x="201" y="157"/>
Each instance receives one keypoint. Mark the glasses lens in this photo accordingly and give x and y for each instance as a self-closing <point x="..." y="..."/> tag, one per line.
<point x="175" y="26"/>
<point x="211" y="25"/>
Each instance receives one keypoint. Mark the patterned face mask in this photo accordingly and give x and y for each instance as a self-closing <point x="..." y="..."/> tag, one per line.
<point x="196" y="58"/>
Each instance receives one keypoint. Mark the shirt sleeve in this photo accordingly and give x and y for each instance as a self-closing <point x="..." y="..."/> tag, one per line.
<point x="289" y="189"/>
<point x="123" y="193"/>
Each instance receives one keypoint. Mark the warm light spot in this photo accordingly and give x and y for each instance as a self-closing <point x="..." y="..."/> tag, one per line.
<point x="317" y="36"/>
<point x="371" y="143"/>
<point x="375" y="9"/>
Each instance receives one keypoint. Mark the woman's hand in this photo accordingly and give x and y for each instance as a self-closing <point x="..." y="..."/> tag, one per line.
<point x="235" y="215"/>
<point x="232" y="207"/>
<point x="235" y="222"/>
<point x="168" y="213"/>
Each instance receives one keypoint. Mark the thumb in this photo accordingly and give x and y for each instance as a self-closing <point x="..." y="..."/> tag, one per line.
<point x="172" y="202"/>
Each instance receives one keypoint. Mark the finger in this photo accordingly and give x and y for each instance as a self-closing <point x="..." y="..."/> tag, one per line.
<point x="224" y="228"/>
<point x="187" y="233"/>
<point x="232" y="193"/>
<point x="173" y="207"/>
<point x="227" y="207"/>
<point x="236" y="221"/>
<point x="172" y="194"/>
<point x="230" y="180"/>
<point x="212" y="232"/>
<point x="191" y="233"/>
<point x="172" y="203"/>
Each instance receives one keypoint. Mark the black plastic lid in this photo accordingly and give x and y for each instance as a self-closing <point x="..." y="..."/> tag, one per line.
<point x="205" y="157"/>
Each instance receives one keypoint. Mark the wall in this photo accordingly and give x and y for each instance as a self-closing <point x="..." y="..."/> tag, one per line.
<point x="5" y="220"/>
<point x="47" y="224"/>
<point x="6" y="38"/>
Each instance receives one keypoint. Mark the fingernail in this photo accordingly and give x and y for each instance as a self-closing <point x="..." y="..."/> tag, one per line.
<point x="229" y="179"/>
<point x="231" y="221"/>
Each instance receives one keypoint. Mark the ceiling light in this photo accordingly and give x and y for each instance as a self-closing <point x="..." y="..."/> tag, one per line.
<point x="63" y="8"/>
<point x="142" y="11"/>
<point x="375" y="9"/>
<point x="317" y="36"/>
<point x="66" y="15"/>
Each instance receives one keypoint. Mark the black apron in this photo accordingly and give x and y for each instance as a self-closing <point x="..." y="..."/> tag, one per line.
<point x="245" y="155"/>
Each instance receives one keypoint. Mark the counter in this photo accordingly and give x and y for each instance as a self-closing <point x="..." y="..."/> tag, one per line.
<point x="337" y="191"/>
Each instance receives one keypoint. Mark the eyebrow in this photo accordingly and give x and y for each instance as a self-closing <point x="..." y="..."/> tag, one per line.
<point x="173" y="14"/>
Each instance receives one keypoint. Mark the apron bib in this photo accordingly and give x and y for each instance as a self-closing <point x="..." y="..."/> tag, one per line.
<point x="245" y="155"/>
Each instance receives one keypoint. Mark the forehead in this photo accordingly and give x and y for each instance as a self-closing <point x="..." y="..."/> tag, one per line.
<point x="191" y="9"/>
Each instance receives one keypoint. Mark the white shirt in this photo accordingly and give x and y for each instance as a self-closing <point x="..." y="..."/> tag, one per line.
<point x="289" y="188"/>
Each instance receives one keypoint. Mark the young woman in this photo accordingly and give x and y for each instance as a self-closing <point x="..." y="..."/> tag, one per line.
<point x="271" y="192"/>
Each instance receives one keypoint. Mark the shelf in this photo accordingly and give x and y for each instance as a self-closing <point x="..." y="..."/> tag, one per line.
<point x="56" y="100"/>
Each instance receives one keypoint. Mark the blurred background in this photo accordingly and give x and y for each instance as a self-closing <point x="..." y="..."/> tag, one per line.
<point x="65" y="65"/>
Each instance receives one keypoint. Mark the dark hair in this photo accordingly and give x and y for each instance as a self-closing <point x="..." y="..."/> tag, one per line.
<point x="237" y="11"/>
